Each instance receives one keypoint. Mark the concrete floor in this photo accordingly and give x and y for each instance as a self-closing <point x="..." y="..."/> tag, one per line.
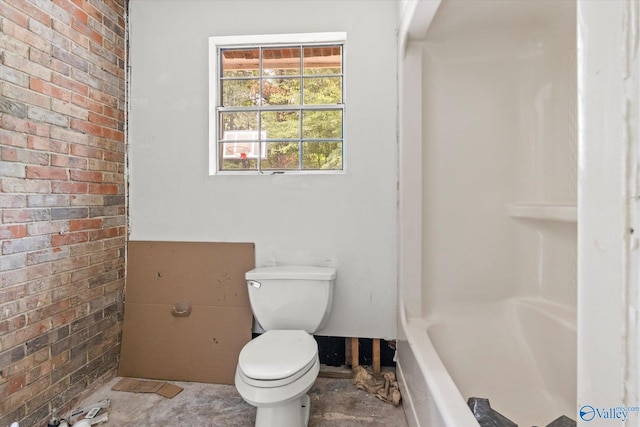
<point x="335" y="402"/>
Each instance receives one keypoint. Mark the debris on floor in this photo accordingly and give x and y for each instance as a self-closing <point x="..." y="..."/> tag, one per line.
<point x="385" y="389"/>
<point x="562" y="421"/>
<point x="135" y="385"/>
<point x="94" y="413"/>
<point x="486" y="416"/>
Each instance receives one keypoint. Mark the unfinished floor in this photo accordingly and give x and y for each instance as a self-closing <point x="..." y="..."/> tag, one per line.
<point x="335" y="402"/>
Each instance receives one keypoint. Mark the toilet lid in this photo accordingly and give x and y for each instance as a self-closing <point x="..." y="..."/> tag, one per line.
<point x="277" y="354"/>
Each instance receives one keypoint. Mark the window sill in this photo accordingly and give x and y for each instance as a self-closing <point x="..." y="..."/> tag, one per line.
<point x="277" y="173"/>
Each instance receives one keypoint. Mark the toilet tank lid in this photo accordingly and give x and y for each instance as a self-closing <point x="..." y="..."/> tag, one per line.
<point x="292" y="272"/>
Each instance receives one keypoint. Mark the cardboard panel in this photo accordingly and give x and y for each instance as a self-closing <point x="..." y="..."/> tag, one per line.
<point x="187" y="312"/>
<point x="208" y="273"/>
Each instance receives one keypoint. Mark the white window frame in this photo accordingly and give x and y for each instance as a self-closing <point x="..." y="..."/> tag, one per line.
<point x="216" y="43"/>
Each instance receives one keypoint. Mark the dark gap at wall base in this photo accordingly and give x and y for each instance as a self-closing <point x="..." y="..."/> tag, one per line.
<point x="331" y="350"/>
<point x="387" y="352"/>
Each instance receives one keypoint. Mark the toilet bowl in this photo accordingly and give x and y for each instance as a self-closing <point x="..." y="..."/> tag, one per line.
<point x="276" y="369"/>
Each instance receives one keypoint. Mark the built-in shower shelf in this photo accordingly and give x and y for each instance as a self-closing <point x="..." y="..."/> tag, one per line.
<point x="543" y="211"/>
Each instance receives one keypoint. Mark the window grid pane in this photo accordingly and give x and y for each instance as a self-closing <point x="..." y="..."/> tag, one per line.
<point x="272" y="116"/>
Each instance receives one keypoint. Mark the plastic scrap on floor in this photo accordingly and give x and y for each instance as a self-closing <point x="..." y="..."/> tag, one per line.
<point x="92" y="414"/>
<point x="385" y="389"/>
<point x="562" y="421"/>
<point x="486" y="416"/>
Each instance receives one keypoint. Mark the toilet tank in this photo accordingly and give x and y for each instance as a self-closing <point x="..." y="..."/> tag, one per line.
<point x="291" y="297"/>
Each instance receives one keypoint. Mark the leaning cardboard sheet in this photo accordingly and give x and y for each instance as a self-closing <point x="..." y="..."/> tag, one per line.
<point x="135" y="385"/>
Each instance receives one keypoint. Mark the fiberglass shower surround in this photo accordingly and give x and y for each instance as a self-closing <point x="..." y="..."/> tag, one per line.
<point x="489" y="143"/>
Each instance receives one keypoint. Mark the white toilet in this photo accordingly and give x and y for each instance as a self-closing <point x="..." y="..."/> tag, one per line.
<point x="276" y="370"/>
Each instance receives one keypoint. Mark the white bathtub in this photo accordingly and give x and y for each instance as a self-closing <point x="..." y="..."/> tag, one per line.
<point x="520" y="354"/>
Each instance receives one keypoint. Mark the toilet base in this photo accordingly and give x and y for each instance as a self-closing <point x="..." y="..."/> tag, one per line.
<point x="291" y="414"/>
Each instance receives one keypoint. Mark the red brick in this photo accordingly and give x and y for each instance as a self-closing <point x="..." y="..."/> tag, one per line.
<point x="114" y="156"/>
<point x="63" y="318"/>
<point x="39" y="365"/>
<point x="21" y="63"/>
<point x="68" y="135"/>
<point x="25" y="215"/>
<point x="27" y="37"/>
<point x="87" y="200"/>
<point x="15" y="15"/>
<point x="115" y="69"/>
<point x="40" y="229"/>
<point x="46" y="172"/>
<point x="24" y="394"/>
<point x="66" y="264"/>
<point x="70" y="84"/>
<point x="19" y="185"/>
<point x="89" y="9"/>
<point x="88" y="103"/>
<point x="115" y="6"/>
<point x="13" y="231"/>
<point x="85" y="224"/>
<point x="104" y="98"/>
<point x="14" y="384"/>
<point x="12" y="324"/>
<point x="46" y="60"/>
<point x="31" y="10"/>
<point x="85" y="151"/>
<point x="106" y="233"/>
<point x="24" y="275"/>
<point x="84" y="29"/>
<point x="46" y="310"/>
<point x="87" y="127"/>
<point x="20" y="125"/>
<point x="12" y="154"/>
<point x="102" y="120"/>
<point x="72" y="10"/>
<point x="69" y="238"/>
<point x="69" y="109"/>
<point x="63" y="187"/>
<point x="109" y="145"/>
<point x="116" y="135"/>
<point x="26" y="96"/>
<point x="88" y="176"/>
<point x="47" y="88"/>
<point x="114" y="178"/>
<point x="103" y="189"/>
<point x="114" y="113"/>
<point x="102" y="165"/>
<point x="68" y="32"/>
<point x="15" y="139"/>
<point x="46" y="144"/>
<point x="68" y="161"/>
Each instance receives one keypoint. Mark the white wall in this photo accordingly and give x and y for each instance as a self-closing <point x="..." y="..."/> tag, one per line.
<point x="608" y="292"/>
<point x="347" y="219"/>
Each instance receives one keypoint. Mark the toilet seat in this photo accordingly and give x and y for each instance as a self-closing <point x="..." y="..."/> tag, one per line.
<point x="277" y="358"/>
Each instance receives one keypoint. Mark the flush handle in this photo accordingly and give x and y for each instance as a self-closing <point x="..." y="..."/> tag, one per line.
<point x="254" y="283"/>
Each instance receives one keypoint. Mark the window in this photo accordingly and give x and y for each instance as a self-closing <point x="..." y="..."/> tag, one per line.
<point x="277" y="103"/>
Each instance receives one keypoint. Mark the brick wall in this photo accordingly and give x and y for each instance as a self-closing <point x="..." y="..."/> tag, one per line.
<point x="62" y="201"/>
